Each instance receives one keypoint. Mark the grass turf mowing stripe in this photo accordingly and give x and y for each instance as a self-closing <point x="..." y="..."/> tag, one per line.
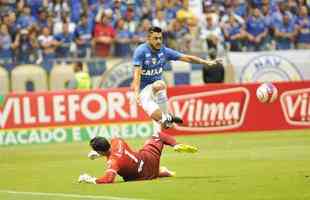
<point x="67" y="195"/>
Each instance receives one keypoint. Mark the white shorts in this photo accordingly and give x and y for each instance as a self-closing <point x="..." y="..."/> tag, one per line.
<point x="149" y="105"/>
<point x="147" y="100"/>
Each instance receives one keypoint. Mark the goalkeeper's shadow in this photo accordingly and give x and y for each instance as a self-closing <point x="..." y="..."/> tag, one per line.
<point x="208" y="178"/>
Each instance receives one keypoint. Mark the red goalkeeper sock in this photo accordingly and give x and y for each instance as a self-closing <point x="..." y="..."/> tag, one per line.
<point x="167" y="139"/>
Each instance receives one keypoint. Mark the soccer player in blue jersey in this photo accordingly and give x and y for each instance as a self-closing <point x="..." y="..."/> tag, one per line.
<point x="149" y="60"/>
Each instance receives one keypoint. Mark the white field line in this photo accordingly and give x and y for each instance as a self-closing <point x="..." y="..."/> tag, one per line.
<point x="78" y="196"/>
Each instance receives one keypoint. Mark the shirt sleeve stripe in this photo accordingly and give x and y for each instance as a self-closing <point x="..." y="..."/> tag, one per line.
<point x="111" y="170"/>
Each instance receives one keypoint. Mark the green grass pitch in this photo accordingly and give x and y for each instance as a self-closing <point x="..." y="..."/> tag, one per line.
<point x="259" y="165"/>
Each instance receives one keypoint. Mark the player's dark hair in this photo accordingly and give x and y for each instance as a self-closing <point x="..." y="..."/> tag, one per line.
<point x="155" y="29"/>
<point x="212" y="53"/>
<point x="100" y="144"/>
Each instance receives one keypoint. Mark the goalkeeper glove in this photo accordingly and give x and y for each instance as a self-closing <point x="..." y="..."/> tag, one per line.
<point x="93" y="155"/>
<point x="85" y="178"/>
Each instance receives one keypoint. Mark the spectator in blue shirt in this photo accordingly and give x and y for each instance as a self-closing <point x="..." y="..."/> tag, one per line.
<point x="132" y="7"/>
<point x="28" y="50"/>
<point x="123" y="40"/>
<point x="9" y="19"/>
<point x="171" y="10"/>
<point x="47" y="47"/>
<point x="58" y="7"/>
<point x="292" y="6"/>
<point x="6" y="47"/>
<point x="42" y="18"/>
<point x="36" y="5"/>
<point x="240" y="8"/>
<point x="234" y="33"/>
<point x="76" y="10"/>
<point x="267" y="15"/>
<point x="283" y="8"/>
<point x="140" y="35"/>
<point x="130" y="21"/>
<point x="64" y="42"/>
<point x="256" y="31"/>
<point x="303" y="22"/>
<point x="285" y="33"/>
<point x="83" y="37"/>
<point x="119" y="8"/>
<point x="25" y="20"/>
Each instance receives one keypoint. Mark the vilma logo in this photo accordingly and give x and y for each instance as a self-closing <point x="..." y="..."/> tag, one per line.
<point x="296" y="106"/>
<point x="268" y="68"/>
<point x="215" y="110"/>
<point x="120" y="75"/>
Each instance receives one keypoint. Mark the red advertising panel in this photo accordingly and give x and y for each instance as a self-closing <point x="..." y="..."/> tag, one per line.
<point x="205" y="109"/>
<point x="234" y="107"/>
<point x="69" y="108"/>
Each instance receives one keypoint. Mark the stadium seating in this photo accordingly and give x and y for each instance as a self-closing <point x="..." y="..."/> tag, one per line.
<point x="4" y="80"/>
<point x="32" y="76"/>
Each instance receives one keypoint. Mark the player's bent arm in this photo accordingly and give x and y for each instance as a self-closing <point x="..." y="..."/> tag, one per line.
<point x="136" y="80"/>
<point x="109" y="177"/>
<point x="195" y="59"/>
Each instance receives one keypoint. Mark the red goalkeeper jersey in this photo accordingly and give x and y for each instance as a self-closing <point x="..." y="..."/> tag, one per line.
<point x="132" y="165"/>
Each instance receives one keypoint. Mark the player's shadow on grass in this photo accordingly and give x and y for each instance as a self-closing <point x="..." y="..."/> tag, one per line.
<point x="207" y="178"/>
<point x="193" y="177"/>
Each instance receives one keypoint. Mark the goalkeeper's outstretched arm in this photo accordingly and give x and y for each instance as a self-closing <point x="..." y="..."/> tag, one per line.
<point x="109" y="177"/>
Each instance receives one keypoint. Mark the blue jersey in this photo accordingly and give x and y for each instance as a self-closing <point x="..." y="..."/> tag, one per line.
<point x="76" y="9"/>
<point x="85" y="33"/>
<point x="256" y="26"/>
<point x="304" y="34"/>
<point x="285" y="43"/>
<point x="64" y="49"/>
<point x="25" y="21"/>
<point x="6" y="52"/>
<point x="123" y="49"/>
<point x="35" y="6"/>
<point x="152" y="62"/>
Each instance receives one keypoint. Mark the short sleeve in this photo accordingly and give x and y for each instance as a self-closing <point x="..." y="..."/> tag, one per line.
<point x="172" y="54"/>
<point x="138" y="57"/>
<point x="112" y="165"/>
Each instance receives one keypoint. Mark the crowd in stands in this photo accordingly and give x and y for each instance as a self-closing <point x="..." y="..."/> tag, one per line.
<point x="38" y="31"/>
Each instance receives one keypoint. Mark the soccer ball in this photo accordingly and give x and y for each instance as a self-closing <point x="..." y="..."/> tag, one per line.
<point x="267" y="93"/>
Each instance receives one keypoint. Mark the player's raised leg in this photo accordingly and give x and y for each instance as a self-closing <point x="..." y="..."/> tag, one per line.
<point x="152" y="98"/>
<point x="159" y="95"/>
<point x="178" y="147"/>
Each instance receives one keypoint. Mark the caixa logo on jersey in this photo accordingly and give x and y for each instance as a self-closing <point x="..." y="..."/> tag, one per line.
<point x="296" y="107"/>
<point x="215" y="110"/>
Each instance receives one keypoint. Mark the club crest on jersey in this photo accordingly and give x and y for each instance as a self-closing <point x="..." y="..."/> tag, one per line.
<point x="154" y="61"/>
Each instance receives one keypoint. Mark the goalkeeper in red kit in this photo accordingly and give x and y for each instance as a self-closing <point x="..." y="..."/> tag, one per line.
<point x="129" y="164"/>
